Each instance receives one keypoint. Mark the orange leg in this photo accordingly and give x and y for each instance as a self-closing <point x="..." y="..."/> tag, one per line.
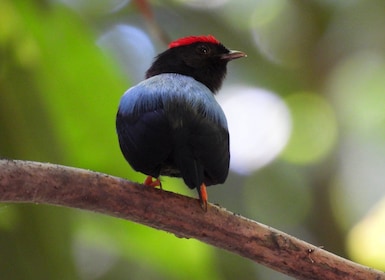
<point x="152" y="183"/>
<point x="203" y="196"/>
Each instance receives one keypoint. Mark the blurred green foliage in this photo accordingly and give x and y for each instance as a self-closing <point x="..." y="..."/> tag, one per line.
<point x="58" y="99"/>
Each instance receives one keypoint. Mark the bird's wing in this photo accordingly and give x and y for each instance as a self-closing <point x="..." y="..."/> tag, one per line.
<point x="203" y="151"/>
<point x="212" y="145"/>
<point x="143" y="130"/>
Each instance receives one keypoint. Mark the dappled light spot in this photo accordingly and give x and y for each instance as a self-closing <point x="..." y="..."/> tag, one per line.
<point x="314" y="131"/>
<point x="131" y="49"/>
<point x="281" y="31"/>
<point x="366" y="240"/>
<point x="357" y="86"/>
<point x="259" y="126"/>
<point x="359" y="183"/>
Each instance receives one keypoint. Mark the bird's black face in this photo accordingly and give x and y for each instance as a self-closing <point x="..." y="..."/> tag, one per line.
<point x="205" y="62"/>
<point x="203" y="55"/>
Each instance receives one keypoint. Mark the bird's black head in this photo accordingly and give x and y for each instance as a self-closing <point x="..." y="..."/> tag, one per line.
<point x="202" y="57"/>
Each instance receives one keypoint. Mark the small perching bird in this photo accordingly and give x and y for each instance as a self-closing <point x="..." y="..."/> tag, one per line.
<point x="170" y="124"/>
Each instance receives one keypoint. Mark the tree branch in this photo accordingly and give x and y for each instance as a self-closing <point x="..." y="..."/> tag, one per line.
<point x="32" y="182"/>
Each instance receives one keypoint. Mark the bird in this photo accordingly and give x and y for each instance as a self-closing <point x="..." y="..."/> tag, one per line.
<point x="170" y="124"/>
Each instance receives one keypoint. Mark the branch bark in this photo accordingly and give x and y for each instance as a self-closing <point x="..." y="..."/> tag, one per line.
<point x="33" y="182"/>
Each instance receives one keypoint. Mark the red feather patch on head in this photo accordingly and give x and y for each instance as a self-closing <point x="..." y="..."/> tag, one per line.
<point x="193" y="39"/>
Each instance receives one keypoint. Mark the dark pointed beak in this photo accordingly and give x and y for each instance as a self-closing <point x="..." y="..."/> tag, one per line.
<point x="233" y="55"/>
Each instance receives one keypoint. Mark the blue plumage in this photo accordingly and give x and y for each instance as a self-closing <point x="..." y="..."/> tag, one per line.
<point x="168" y="88"/>
<point x="170" y="124"/>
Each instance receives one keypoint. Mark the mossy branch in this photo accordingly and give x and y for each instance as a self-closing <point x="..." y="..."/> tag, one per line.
<point x="33" y="182"/>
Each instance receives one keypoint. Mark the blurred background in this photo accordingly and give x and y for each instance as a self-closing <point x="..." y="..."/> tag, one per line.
<point x="306" y="113"/>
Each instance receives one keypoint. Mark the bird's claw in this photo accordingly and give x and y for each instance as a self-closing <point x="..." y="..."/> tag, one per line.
<point x="152" y="183"/>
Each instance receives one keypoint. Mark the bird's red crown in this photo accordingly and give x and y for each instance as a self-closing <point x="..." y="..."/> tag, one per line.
<point x="193" y="39"/>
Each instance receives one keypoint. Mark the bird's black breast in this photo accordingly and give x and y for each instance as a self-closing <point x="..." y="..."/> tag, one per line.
<point x="174" y="128"/>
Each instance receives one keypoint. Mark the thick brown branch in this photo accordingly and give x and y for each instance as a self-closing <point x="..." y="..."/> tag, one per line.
<point x="22" y="181"/>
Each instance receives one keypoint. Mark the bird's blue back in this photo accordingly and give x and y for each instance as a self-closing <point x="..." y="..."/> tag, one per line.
<point x="164" y="89"/>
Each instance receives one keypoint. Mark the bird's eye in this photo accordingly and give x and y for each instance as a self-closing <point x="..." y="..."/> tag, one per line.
<point x="202" y="49"/>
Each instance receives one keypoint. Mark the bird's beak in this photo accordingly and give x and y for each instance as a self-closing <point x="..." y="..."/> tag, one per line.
<point x="233" y="55"/>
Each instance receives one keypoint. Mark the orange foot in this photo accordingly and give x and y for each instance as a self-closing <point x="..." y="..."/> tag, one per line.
<point x="203" y="196"/>
<point x="152" y="183"/>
